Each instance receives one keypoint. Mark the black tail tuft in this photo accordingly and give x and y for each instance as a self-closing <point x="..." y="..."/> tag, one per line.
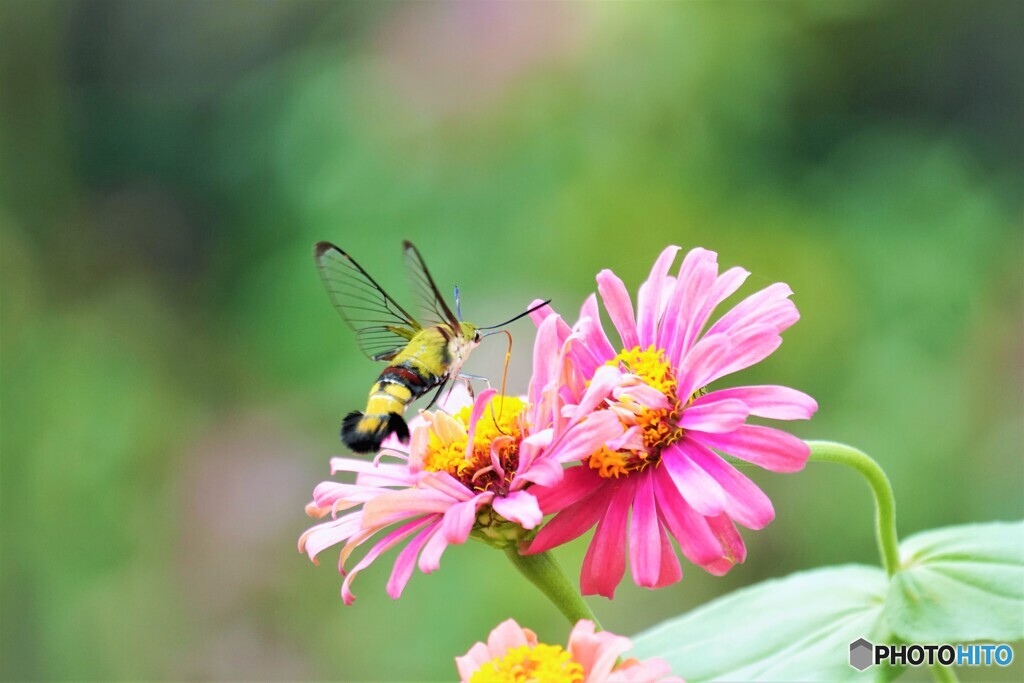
<point x="397" y="426"/>
<point x="365" y="433"/>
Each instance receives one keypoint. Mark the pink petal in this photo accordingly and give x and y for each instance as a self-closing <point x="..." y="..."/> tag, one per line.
<point x="691" y="530"/>
<point x="469" y="663"/>
<point x="644" y="394"/>
<point x="671" y="571"/>
<point x="584" y="438"/>
<point x="454" y="399"/>
<point x="546" y="348"/>
<point x="446" y="485"/>
<point x="619" y="307"/>
<point x="771" y="401"/>
<point x="582" y="359"/>
<point x="696" y="278"/>
<point x="749" y="346"/>
<point x="703" y="365"/>
<point x="768" y="306"/>
<point x="584" y="646"/>
<point x="577" y="483"/>
<point x="644" y="545"/>
<point x="479" y="406"/>
<point x="338" y="496"/>
<point x="542" y="472"/>
<point x="732" y="543"/>
<point x="430" y="558"/>
<point x="649" y="299"/>
<point x="745" y="502"/>
<point x="696" y="366"/>
<point x="538" y="316"/>
<point x="604" y="380"/>
<point x="406" y="561"/>
<point x="404" y="502"/>
<point x="508" y="635"/>
<point x="722" y="288"/>
<point x="385" y="544"/>
<point x="597" y="652"/>
<point x="458" y="520"/>
<point x="769" y="448"/>
<point x="570" y="523"/>
<point x="322" y="536"/>
<point x="519" y="507"/>
<point x="719" y="416"/>
<point x="605" y="561"/>
<point x="591" y="332"/>
<point x="697" y="487"/>
<point x="383" y="474"/>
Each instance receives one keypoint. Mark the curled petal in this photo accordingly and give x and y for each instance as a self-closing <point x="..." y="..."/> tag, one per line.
<point x="406" y="561"/>
<point x="458" y="519"/>
<point x="649" y="301"/>
<point x="386" y="543"/>
<point x="520" y="507"/>
<point x="586" y="437"/>
<point x="591" y="333"/>
<point x="479" y="406"/>
<point x="619" y="307"/>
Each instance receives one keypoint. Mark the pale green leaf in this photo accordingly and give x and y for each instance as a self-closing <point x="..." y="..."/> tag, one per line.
<point x="961" y="583"/>
<point x="798" y="628"/>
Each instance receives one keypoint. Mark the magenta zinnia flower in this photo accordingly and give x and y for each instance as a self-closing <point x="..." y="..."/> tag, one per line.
<point x="468" y="472"/>
<point x="512" y="654"/>
<point x="662" y="478"/>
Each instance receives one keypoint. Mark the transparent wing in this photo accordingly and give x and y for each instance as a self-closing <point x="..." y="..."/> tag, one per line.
<point x="382" y="327"/>
<point x="430" y="300"/>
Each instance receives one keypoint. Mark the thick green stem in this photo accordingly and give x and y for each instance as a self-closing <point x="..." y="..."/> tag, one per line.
<point x="544" y="572"/>
<point x="885" y="504"/>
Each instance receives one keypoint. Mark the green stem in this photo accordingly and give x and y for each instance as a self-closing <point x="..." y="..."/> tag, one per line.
<point x="943" y="674"/>
<point x="544" y="572"/>
<point x="885" y="504"/>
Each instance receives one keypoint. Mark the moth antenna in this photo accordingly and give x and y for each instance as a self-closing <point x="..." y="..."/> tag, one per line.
<point x="528" y="311"/>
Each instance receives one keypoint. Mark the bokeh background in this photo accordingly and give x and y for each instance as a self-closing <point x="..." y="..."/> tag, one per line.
<point x="173" y="375"/>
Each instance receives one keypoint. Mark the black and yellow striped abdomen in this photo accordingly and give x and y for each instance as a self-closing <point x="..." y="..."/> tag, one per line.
<point x="420" y="366"/>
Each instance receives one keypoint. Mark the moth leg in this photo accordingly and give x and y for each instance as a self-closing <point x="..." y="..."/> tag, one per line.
<point x="468" y="378"/>
<point x="480" y="378"/>
<point x="440" y="388"/>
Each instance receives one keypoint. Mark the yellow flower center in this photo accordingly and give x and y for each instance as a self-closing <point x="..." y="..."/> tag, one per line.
<point x="524" y="664"/>
<point x="659" y="427"/>
<point x="649" y="365"/>
<point x="446" y="452"/>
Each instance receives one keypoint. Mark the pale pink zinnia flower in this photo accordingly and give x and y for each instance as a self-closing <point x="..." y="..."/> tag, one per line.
<point x="469" y="472"/>
<point x="663" y="469"/>
<point x="513" y="654"/>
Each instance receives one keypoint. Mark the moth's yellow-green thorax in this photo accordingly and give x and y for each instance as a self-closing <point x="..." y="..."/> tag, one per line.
<point x="439" y="351"/>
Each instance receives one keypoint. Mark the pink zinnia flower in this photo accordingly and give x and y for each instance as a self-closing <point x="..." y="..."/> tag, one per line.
<point x="513" y="654"/>
<point x="664" y="468"/>
<point x="469" y="472"/>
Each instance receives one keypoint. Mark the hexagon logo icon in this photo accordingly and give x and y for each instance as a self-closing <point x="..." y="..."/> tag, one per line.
<point x="861" y="654"/>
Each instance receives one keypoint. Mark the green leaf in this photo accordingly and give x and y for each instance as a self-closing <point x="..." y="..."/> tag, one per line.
<point x="796" y="628"/>
<point x="960" y="584"/>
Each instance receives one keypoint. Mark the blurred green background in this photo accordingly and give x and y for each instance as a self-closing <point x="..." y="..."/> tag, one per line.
<point x="173" y="374"/>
